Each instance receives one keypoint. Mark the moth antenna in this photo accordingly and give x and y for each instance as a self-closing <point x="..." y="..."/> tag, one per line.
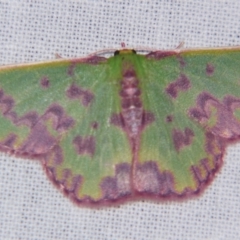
<point x="58" y="56"/>
<point x="123" y="45"/>
<point x="180" y="45"/>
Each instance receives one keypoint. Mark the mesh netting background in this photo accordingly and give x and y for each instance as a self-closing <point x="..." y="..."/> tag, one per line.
<point x="30" y="207"/>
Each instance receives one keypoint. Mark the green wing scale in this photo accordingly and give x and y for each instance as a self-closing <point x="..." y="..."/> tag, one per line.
<point x="129" y="126"/>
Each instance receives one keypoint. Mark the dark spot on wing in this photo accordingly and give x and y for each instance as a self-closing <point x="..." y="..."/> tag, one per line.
<point x="204" y="172"/>
<point x="149" y="180"/>
<point x="231" y="102"/>
<point x="6" y="102"/>
<point x="117" y="120"/>
<point x="169" y="118"/>
<point x="181" y="84"/>
<point x="55" y="156"/>
<point x="85" y="145"/>
<point x="76" y="92"/>
<point x="29" y="119"/>
<point x="148" y="118"/>
<point x="6" y="106"/>
<point x="225" y="123"/>
<point x="118" y="186"/>
<point x="44" y="82"/>
<point x="39" y="141"/>
<point x="94" y="125"/>
<point x="209" y="69"/>
<point x="87" y="98"/>
<point x="182" y="138"/>
<point x="68" y="183"/>
<point x="61" y="122"/>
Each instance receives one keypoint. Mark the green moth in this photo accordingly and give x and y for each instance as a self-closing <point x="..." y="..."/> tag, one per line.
<point x="125" y="127"/>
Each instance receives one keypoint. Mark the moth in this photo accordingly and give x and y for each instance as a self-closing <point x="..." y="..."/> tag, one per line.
<point x="130" y="126"/>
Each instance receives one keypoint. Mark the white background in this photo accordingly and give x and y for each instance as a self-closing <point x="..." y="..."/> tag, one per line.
<point x="30" y="207"/>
